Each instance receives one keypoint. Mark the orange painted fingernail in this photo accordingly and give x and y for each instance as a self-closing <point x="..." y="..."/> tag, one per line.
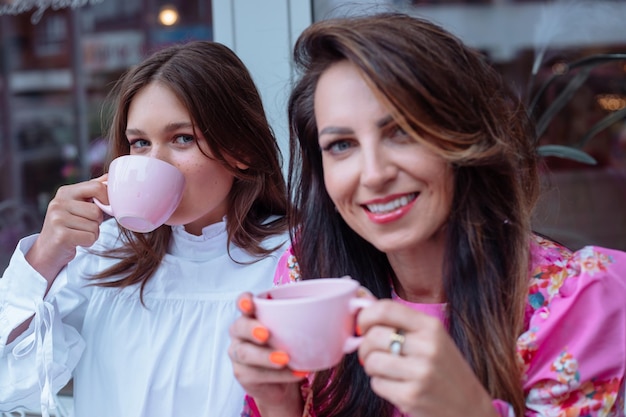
<point x="358" y="330"/>
<point x="260" y="334"/>
<point x="360" y="361"/>
<point x="279" y="358"/>
<point x="300" y="374"/>
<point x="245" y="305"/>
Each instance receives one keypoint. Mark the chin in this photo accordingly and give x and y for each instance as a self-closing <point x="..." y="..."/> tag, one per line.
<point x="392" y="245"/>
<point x="176" y="221"/>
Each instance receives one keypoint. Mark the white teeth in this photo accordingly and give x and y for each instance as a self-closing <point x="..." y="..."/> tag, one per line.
<point x="391" y="205"/>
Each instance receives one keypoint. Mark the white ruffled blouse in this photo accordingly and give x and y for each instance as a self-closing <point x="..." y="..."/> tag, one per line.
<point x="167" y="358"/>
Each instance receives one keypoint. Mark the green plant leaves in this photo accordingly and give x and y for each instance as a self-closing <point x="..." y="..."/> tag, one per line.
<point x="566" y="152"/>
<point x="585" y="67"/>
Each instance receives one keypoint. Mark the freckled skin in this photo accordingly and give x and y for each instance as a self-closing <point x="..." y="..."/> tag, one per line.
<point x="159" y="126"/>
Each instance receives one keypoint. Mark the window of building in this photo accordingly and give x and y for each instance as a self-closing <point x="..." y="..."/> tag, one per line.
<point x="558" y="43"/>
<point x="57" y="66"/>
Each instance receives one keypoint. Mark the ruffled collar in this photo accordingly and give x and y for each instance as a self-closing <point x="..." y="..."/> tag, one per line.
<point x="209" y="245"/>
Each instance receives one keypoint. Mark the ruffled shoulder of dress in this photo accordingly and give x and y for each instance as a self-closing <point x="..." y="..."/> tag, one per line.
<point x="558" y="271"/>
<point x="288" y="269"/>
<point x="572" y="349"/>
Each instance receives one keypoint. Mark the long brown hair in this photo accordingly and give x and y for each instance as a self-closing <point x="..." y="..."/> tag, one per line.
<point x="448" y="97"/>
<point x="224" y="104"/>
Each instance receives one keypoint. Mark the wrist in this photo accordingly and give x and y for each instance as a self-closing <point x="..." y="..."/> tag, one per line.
<point x="47" y="266"/>
<point x="281" y="410"/>
<point x="290" y="405"/>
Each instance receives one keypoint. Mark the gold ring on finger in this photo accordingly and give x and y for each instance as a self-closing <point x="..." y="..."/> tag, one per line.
<point x="396" y="342"/>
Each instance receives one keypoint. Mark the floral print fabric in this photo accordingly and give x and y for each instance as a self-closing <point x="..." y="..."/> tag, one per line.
<point x="573" y="349"/>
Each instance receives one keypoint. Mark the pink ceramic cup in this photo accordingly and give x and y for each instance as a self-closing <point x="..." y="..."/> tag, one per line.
<point x="313" y="321"/>
<point x="143" y="192"/>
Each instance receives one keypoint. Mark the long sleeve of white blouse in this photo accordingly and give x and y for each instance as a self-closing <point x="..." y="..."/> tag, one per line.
<point x="36" y="365"/>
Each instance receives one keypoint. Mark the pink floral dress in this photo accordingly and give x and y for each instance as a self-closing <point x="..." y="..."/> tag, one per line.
<point x="573" y="349"/>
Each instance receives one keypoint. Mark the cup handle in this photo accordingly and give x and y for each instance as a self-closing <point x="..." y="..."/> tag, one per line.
<point x="353" y="342"/>
<point x="106" y="208"/>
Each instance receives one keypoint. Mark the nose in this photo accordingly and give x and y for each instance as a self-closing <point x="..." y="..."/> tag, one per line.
<point x="377" y="167"/>
<point x="158" y="152"/>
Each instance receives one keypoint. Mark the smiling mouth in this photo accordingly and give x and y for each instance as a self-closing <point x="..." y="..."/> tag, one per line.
<point x="392" y="205"/>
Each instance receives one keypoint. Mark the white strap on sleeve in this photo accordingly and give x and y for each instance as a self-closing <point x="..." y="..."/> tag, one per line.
<point x="41" y="339"/>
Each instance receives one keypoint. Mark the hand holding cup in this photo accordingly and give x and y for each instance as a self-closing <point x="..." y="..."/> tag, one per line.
<point x="313" y="321"/>
<point x="143" y="192"/>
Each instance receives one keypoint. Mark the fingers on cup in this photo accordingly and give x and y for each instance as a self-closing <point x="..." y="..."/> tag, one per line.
<point x="249" y="354"/>
<point x="300" y="374"/>
<point x="279" y="359"/>
<point x="245" y="304"/>
<point x="249" y="330"/>
<point x="396" y="342"/>
<point x="363" y="292"/>
<point x="233" y="352"/>
<point x="260" y="334"/>
<point x="382" y="340"/>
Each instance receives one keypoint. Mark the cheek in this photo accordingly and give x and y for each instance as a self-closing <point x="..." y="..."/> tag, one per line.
<point x="200" y="169"/>
<point x="447" y="190"/>
<point x="332" y="183"/>
<point x="192" y="173"/>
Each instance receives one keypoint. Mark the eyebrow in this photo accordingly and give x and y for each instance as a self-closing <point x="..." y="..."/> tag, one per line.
<point x="170" y="127"/>
<point x="334" y="130"/>
<point x="343" y="130"/>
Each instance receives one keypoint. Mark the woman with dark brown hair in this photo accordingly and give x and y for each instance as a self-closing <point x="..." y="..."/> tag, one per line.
<point x="140" y="320"/>
<point x="413" y="171"/>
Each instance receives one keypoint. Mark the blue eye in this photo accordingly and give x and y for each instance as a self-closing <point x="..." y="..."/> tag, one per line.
<point x="139" y="143"/>
<point x="183" y="139"/>
<point x="338" y="146"/>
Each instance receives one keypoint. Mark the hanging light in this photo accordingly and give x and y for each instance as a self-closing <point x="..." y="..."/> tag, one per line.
<point x="168" y="15"/>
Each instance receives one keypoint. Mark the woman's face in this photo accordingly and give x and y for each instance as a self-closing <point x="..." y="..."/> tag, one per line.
<point x="391" y="190"/>
<point x="160" y="127"/>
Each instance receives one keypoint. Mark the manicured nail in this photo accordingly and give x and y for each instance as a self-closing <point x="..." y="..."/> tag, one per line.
<point x="261" y="334"/>
<point x="358" y="330"/>
<point x="360" y="360"/>
<point x="300" y="374"/>
<point x="245" y="305"/>
<point x="279" y="358"/>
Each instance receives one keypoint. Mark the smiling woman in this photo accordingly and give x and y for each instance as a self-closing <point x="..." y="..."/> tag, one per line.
<point x="414" y="171"/>
<point x="393" y="191"/>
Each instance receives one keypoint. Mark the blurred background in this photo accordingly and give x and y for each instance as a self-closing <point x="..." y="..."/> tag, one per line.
<point x="565" y="58"/>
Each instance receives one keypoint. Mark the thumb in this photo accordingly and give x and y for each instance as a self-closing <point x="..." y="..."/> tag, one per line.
<point x="101" y="178"/>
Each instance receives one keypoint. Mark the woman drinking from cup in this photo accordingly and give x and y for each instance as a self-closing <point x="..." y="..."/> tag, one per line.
<point x="140" y="320"/>
<point x="414" y="172"/>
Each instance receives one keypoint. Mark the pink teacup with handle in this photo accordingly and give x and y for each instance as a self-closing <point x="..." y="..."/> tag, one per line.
<point x="143" y="192"/>
<point x="313" y="321"/>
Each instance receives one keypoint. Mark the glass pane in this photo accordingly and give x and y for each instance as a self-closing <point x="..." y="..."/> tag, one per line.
<point x="57" y="67"/>
<point x="541" y="48"/>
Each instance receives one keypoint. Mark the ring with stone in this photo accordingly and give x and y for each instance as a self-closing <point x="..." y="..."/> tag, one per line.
<point x="397" y="340"/>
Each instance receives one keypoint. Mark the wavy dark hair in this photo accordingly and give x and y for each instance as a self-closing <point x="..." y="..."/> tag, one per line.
<point x="450" y="99"/>
<point x="225" y="106"/>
